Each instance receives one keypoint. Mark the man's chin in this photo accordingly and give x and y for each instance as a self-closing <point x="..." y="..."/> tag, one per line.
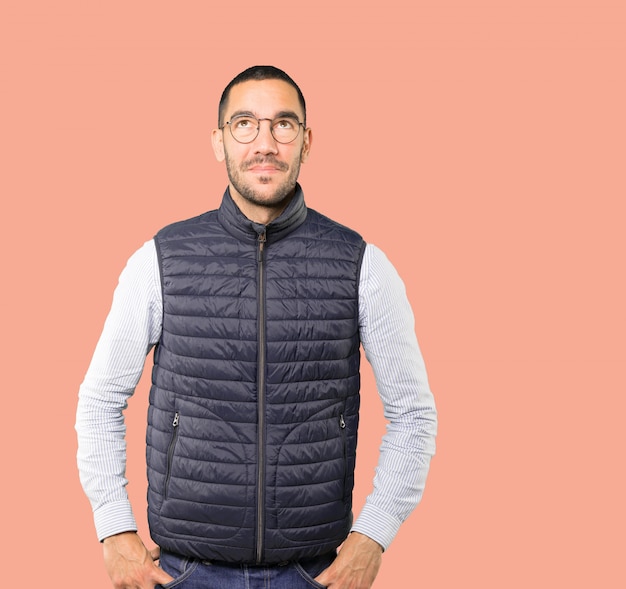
<point x="271" y="197"/>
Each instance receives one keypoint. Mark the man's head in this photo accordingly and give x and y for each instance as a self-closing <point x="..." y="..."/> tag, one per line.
<point x="258" y="73"/>
<point x="263" y="139"/>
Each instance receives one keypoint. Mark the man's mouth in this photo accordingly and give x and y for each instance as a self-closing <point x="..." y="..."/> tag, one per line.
<point x="268" y="169"/>
<point x="265" y="167"/>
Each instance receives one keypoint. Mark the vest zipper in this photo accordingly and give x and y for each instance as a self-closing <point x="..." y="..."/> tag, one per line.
<point x="260" y="532"/>
<point x="170" y="452"/>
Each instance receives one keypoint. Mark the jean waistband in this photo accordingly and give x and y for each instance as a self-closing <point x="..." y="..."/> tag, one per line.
<point x="224" y="563"/>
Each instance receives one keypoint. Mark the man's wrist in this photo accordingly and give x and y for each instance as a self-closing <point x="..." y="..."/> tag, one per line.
<point x="114" y="518"/>
<point x="377" y="525"/>
<point x="367" y="540"/>
<point x="114" y="537"/>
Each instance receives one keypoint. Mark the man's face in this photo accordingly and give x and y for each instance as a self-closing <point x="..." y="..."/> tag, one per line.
<point x="264" y="172"/>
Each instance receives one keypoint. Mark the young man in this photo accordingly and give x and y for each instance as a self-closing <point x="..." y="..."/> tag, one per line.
<point x="256" y="312"/>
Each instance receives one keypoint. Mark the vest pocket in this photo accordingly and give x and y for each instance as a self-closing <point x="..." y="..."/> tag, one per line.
<point x="170" y="452"/>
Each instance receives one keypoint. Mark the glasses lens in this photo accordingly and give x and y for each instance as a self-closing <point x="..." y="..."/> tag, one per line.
<point x="244" y="129"/>
<point x="285" y="130"/>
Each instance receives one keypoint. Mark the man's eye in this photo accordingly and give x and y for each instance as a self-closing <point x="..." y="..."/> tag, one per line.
<point x="244" y="123"/>
<point x="284" y="124"/>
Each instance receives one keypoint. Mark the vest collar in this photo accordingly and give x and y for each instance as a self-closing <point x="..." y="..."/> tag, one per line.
<point x="239" y="226"/>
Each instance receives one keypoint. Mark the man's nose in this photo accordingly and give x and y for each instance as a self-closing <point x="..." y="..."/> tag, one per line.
<point x="265" y="142"/>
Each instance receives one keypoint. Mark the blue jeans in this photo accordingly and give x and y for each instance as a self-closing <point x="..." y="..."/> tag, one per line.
<point x="190" y="573"/>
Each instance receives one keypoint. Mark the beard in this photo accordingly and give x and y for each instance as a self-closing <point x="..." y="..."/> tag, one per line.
<point x="282" y="192"/>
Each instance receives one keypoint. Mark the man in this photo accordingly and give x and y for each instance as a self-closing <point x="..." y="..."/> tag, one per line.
<point x="257" y="312"/>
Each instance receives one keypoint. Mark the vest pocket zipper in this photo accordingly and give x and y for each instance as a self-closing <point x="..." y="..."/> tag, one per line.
<point x="170" y="452"/>
<point x="342" y="427"/>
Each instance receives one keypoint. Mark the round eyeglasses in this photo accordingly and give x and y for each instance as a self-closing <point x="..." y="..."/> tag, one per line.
<point x="245" y="128"/>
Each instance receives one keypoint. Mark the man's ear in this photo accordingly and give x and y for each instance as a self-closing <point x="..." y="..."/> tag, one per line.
<point x="306" y="145"/>
<point x="217" y="140"/>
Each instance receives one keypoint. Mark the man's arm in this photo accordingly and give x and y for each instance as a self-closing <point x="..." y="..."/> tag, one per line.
<point x="132" y="327"/>
<point x="391" y="347"/>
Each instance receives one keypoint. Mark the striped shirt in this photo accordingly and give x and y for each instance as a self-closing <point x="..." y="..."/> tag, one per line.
<point x="387" y="333"/>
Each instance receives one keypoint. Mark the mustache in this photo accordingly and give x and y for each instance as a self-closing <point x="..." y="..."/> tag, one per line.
<point x="263" y="160"/>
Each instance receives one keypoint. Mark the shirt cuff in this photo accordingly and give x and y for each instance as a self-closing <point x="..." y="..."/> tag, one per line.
<point x="377" y="525"/>
<point x="114" y="518"/>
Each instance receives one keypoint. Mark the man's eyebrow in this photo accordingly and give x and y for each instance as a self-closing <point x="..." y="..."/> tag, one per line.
<point x="287" y="113"/>
<point x="279" y="115"/>
<point x="242" y="113"/>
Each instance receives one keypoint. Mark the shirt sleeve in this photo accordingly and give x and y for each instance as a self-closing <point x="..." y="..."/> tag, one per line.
<point x="390" y="345"/>
<point x="131" y="329"/>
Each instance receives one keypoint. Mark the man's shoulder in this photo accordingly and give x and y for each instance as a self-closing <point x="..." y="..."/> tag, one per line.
<point x="185" y="226"/>
<point x="329" y="226"/>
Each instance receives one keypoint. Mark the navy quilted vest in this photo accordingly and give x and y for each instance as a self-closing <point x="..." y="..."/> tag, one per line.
<point x="254" y="405"/>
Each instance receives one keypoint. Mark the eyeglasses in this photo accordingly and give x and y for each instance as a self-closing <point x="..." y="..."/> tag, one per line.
<point x="245" y="128"/>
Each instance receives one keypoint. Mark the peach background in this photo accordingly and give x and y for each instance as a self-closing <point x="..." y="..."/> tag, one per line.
<point x="480" y="144"/>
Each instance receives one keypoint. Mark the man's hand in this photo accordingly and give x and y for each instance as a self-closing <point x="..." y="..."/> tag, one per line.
<point x="129" y="563"/>
<point x="356" y="565"/>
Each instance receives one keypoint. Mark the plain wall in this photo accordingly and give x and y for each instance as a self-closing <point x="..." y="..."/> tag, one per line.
<point x="479" y="144"/>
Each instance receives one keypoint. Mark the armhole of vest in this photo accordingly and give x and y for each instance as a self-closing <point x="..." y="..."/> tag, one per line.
<point x="358" y="268"/>
<point x="157" y="247"/>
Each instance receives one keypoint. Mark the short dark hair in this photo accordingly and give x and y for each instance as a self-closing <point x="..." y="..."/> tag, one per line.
<point x="258" y="72"/>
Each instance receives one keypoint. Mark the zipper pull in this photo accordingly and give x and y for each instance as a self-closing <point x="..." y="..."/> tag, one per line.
<point x="342" y="422"/>
<point x="262" y="240"/>
<point x="176" y="419"/>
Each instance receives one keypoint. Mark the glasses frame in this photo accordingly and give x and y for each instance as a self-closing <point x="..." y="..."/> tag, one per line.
<point x="258" y="129"/>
